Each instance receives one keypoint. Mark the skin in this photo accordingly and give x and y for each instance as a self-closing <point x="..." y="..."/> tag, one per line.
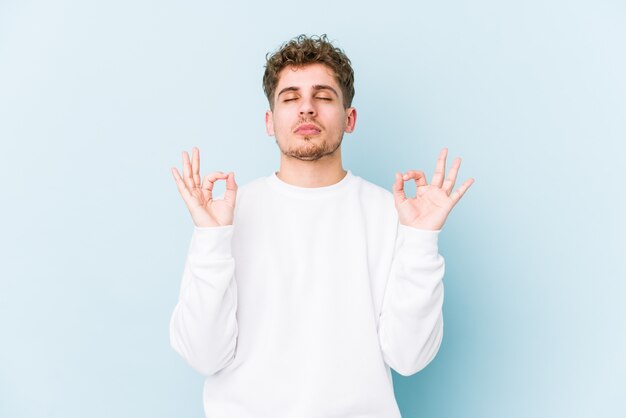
<point x="310" y="97"/>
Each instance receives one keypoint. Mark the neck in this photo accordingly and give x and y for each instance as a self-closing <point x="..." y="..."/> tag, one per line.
<point x="326" y="171"/>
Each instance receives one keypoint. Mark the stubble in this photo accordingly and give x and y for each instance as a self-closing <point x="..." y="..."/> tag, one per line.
<point x="308" y="150"/>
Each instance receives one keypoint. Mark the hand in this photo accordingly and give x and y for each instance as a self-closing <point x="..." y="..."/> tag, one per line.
<point x="205" y="211"/>
<point x="432" y="203"/>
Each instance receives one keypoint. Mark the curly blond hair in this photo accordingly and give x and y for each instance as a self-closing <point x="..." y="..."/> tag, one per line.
<point x="303" y="50"/>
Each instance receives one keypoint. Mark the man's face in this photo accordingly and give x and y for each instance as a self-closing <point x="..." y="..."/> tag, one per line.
<point x="309" y="119"/>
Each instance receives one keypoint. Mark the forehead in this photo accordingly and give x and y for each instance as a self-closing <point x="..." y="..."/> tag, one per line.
<point x="306" y="76"/>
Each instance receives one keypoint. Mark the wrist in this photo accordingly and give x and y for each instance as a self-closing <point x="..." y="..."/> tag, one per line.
<point x="423" y="225"/>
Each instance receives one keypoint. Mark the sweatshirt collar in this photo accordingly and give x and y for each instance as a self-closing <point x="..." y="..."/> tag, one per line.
<point x="310" y="192"/>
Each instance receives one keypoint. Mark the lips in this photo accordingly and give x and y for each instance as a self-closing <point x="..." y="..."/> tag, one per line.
<point x="307" y="129"/>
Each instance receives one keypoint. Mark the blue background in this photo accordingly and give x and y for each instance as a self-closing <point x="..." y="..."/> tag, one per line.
<point x="99" y="98"/>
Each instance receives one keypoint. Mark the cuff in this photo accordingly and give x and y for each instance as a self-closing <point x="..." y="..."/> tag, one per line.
<point x="212" y="243"/>
<point x="419" y="240"/>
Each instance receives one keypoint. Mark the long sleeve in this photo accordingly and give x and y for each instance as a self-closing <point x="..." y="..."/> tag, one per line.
<point x="203" y="327"/>
<point x="411" y="319"/>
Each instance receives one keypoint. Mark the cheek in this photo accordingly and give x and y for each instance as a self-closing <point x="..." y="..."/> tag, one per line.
<point x="280" y="121"/>
<point x="338" y="121"/>
<point x="282" y="126"/>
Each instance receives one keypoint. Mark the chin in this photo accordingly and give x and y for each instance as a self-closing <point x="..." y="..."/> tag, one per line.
<point x="309" y="148"/>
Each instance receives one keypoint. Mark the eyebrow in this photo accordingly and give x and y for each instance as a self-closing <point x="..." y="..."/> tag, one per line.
<point x="315" y="87"/>
<point x="325" y="87"/>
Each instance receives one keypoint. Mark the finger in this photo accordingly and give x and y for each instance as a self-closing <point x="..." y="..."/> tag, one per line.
<point x="398" y="190"/>
<point x="188" y="179"/>
<point x="207" y="188"/>
<point x="448" y="185"/>
<point x="209" y="182"/>
<point x="231" y="189"/>
<point x="458" y="193"/>
<point x="440" y="169"/>
<point x="195" y="166"/>
<point x="417" y="175"/>
<point x="180" y="184"/>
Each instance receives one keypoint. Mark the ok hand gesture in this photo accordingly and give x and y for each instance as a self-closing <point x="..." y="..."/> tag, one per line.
<point x="433" y="202"/>
<point x="205" y="211"/>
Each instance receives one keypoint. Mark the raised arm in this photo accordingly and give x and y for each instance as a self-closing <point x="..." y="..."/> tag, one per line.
<point x="411" y="320"/>
<point x="203" y="326"/>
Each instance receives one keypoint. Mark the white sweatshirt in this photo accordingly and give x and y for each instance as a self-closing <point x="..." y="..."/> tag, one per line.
<point x="299" y="308"/>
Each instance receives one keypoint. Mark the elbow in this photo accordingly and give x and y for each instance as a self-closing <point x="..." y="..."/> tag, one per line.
<point x="411" y="367"/>
<point x="207" y="356"/>
<point x="207" y="367"/>
<point x="206" y="362"/>
<point x="410" y="362"/>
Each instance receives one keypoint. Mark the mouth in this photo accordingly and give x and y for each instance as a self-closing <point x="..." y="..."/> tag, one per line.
<point x="307" y="129"/>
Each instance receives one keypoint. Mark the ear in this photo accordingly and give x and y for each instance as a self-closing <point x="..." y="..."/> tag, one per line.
<point x="350" y="119"/>
<point x="269" y="123"/>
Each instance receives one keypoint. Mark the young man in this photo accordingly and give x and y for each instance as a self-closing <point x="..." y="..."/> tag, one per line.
<point x="303" y="288"/>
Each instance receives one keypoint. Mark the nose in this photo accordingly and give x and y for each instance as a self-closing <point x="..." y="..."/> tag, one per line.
<point x="307" y="108"/>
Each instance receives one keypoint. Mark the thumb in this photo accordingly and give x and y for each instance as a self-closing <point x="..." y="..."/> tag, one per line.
<point x="231" y="189"/>
<point x="398" y="190"/>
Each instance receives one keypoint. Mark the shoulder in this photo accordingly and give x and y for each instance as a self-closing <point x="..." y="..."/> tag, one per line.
<point x="378" y="209"/>
<point x="373" y="191"/>
<point x="375" y="197"/>
<point x="250" y="188"/>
